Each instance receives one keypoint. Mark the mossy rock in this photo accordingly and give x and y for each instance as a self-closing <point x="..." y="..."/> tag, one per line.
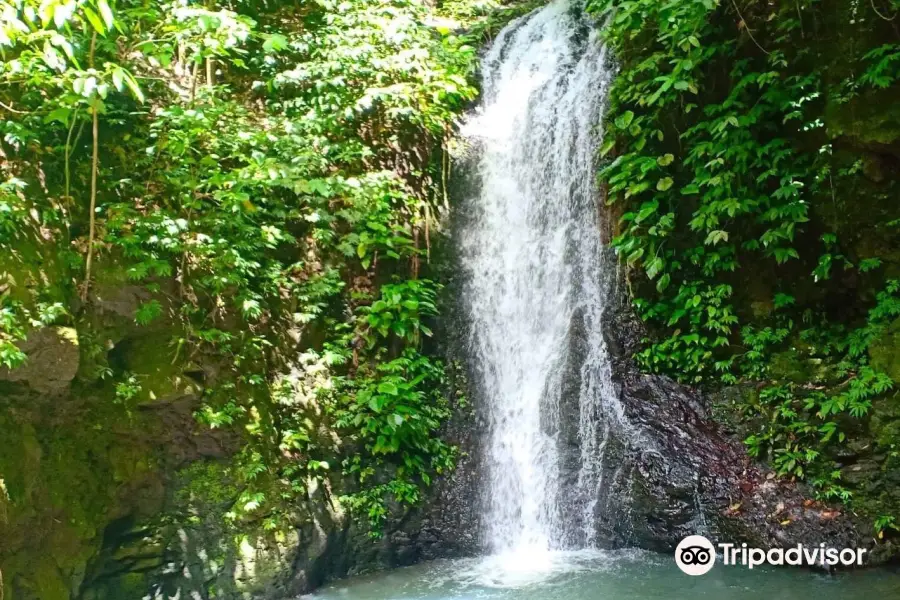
<point x="154" y="361"/>
<point x="726" y="404"/>
<point x="884" y="352"/>
<point x="884" y="424"/>
<point x="791" y="366"/>
<point x="872" y="120"/>
<point x="70" y="465"/>
<point x="33" y="267"/>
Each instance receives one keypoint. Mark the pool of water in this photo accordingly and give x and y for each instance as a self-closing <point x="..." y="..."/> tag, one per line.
<point x="596" y="575"/>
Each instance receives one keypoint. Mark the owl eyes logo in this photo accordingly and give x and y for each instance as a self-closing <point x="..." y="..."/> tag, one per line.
<point x="695" y="555"/>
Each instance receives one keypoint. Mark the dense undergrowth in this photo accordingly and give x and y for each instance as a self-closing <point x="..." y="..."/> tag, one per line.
<point x="752" y="160"/>
<point x="269" y="177"/>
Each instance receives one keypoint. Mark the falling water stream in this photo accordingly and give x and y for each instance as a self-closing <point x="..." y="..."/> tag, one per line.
<point x="536" y="285"/>
<point x="533" y="257"/>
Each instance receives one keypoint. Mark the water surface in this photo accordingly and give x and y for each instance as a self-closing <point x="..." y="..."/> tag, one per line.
<point x="619" y="575"/>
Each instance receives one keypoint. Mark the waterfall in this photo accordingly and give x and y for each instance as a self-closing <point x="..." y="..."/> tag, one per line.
<point x="536" y="280"/>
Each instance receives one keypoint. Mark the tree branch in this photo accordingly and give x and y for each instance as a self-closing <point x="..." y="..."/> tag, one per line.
<point x="747" y="26"/>
<point x="94" y="167"/>
<point x="877" y="12"/>
<point x="95" y="164"/>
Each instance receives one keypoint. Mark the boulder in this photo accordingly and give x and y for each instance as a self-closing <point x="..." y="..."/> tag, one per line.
<point x="52" y="362"/>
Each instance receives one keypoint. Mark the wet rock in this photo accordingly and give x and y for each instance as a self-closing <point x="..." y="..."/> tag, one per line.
<point x="688" y="477"/>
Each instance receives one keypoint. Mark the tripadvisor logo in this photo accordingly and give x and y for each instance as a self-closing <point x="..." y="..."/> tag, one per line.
<point x="696" y="555"/>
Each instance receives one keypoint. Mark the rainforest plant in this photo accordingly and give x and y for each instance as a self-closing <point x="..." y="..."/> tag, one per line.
<point x="267" y="174"/>
<point x="728" y="170"/>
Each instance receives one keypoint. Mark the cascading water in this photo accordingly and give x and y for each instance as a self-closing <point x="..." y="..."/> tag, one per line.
<point x="562" y="464"/>
<point x="536" y="279"/>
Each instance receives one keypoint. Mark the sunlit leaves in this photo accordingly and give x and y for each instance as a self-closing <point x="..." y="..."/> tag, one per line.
<point x="105" y="12"/>
<point x="728" y="190"/>
<point x="265" y="176"/>
<point x="275" y="42"/>
<point x="96" y="22"/>
<point x="715" y="237"/>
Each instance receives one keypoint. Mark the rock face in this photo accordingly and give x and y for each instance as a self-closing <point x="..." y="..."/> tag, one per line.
<point x="677" y="474"/>
<point x="53" y="358"/>
<point x="446" y="526"/>
<point x="81" y="464"/>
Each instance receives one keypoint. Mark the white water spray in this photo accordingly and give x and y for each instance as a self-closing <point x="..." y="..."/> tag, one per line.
<point x="536" y="281"/>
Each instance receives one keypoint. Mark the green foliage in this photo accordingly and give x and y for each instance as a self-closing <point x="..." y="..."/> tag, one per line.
<point x="478" y="21"/>
<point x="885" y="523"/>
<point x="400" y="310"/>
<point x="735" y="169"/>
<point x="882" y="64"/>
<point x="717" y="158"/>
<point x="262" y="168"/>
<point x="128" y="389"/>
<point x="395" y="408"/>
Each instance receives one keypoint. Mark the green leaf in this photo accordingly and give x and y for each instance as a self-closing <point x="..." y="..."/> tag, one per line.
<point x="665" y="160"/>
<point x="715" y="237"/>
<point x="635" y="256"/>
<point x="94" y="20"/>
<point x="663" y="283"/>
<point x="147" y="312"/>
<point x="60" y="114"/>
<point x="607" y="146"/>
<point x="275" y="43"/>
<point x="664" y="184"/>
<point x="386" y="387"/>
<point x="869" y="264"/>
<point x="624" y="120"/>
<point x="647" y="209"/>
<point x="133" y="86"/>
<point x="654" y="267"/>
<point x="105" y="12"/>
<point x="118" y="78"/>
